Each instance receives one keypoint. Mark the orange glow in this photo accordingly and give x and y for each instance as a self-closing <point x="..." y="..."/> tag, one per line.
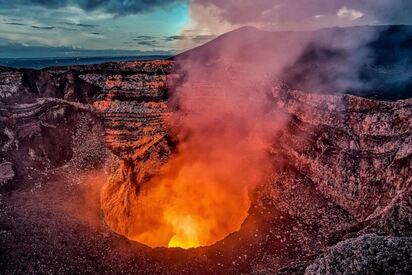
<point x="199" y="194"/>
<point x="190" y="208"/>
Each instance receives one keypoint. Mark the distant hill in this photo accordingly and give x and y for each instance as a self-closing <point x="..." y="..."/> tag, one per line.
<point x="40" y="63"/>
<point x="371" y="61"/>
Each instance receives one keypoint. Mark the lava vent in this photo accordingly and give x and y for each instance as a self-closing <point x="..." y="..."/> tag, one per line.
<point x="222" y="129"/>
<point x="185" y="207"/>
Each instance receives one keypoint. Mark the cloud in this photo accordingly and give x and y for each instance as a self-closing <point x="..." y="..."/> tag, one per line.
<point x="15" y="24"/>
<point x="195" y="38"/>
<point x="80" y="25"/>
<point x="94" y="35"/>
<point x="109" y="6"/>
<point x="147" y="43"/>
<point x="167" y="41"/>
<point x="299" y="13"/>
<point x="143" y="37"/>
<point x="174" y="38"/>
<point x="42" y="28"/>
<point x="344" y="12"/>
<point x="68" y="29"/>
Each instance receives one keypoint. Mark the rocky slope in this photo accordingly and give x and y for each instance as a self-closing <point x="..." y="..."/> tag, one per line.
<point x="369" y="61"/>
<point x="340" y="186"/>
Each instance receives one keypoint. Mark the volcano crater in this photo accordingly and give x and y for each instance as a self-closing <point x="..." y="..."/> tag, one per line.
<point x="337" y="179"/>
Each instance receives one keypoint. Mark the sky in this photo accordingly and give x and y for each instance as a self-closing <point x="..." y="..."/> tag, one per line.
<point x="61" y="28"/>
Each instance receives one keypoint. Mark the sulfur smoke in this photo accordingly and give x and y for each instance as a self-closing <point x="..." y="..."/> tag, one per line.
<point x="224" y="124"/>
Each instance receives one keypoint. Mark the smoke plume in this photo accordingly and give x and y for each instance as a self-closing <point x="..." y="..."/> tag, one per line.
<point x="224" y="124"/>
<point x="369" y="59"/>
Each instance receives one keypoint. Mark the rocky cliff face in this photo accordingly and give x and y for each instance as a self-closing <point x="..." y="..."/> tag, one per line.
<point x="41" y="111"/>
<point x="341" y="165"/>
<point x="356" y="151"/>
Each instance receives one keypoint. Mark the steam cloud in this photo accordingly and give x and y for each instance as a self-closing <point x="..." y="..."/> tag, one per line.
<point x="360" y="60"/>
<point x="223" y="109"/>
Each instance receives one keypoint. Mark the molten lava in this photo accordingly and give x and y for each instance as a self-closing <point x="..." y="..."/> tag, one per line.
<point x="200" y="196"/>
<point x="188" y="208"/>
<point x="222" y="131"/>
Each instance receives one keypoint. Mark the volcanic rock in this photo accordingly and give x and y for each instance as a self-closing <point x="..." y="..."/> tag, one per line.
<point x="6" y="172"/>
<point x="368" y="254"/>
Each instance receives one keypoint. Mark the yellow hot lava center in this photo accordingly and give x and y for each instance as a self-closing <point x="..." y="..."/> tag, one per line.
<point x="186" y="232"/>
<point x="189" y="209"/>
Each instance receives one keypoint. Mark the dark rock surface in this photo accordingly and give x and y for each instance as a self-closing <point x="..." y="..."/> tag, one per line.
<point x="6" y="172"/>
<point x="368" y="254"/>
